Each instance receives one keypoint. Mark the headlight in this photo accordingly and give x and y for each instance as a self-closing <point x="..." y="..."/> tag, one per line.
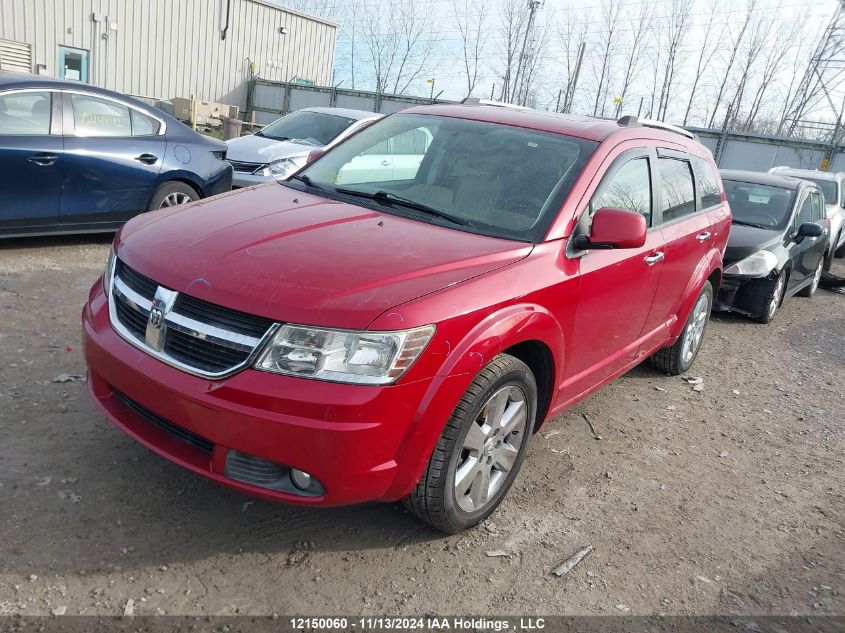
<point x="109" y="271"/>
<point x="284" y="167"/>
<point x="371" y="358"/>
<point x="759" y="264"/>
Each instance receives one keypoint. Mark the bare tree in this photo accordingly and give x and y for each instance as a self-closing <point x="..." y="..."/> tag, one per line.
<point x="611" y="13"/>
<point x="513" y="25"/>
<point x="676" y="22"/>
<point x="573" y="36"/>
<point x="750" y="54"/>
<point x="400" y="41"/>
<point x="776" y="47"/>
<point x="736" y="39"/>
<point x="641" y="26"/>
<point x="470" y="17"/>
<point x="709" y="46"/>
<point x="534" y="55"/>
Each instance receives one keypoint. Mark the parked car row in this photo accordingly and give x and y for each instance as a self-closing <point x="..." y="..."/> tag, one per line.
<point x="420" y="292"/>
<point x="75" y="158"/>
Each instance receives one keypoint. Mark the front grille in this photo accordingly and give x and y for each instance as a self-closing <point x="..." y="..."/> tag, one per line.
<point x="184" y="435"/>
<point x="144" y="286"/>
<point x="194" y="335"/>
<point x="132" y="319"/>
<point x="245" y="167"/>
<point x="218" y="316"/>
<point x="200" y="354"/>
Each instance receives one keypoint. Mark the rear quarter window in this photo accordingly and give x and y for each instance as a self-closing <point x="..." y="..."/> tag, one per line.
<point x="709" y="191"/>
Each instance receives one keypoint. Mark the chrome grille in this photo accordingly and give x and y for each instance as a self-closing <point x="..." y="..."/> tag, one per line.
<point x="194" y="335"/>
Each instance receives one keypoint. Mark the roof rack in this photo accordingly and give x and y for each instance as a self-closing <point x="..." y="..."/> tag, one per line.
<point x="495" y="104"/>
<point x="632" y="121"/>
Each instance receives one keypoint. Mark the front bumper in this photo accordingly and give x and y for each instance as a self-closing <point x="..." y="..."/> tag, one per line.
<point x="245" y="179"/>
<point x="350" y="437"/>
<point x="734" y="296"/>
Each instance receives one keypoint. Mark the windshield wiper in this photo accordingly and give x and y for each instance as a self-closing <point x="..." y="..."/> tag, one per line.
<point x="756" y="226"/>
<point x="386" y="196"/>
<point x="305" y="180"/>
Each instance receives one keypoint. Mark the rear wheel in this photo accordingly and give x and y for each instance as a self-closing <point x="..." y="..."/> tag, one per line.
<point x="480" y="450"/>
<point x="679" y="357"/>
<point x="172" y="194"/>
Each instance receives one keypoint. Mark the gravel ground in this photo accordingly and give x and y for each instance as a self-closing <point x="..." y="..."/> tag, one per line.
<point x="724" y="500"/>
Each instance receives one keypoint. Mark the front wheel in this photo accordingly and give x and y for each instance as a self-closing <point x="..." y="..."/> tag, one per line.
<point x="679" y="357"/>
<point x="480" y="450"/>
<point x="839" y="253"/>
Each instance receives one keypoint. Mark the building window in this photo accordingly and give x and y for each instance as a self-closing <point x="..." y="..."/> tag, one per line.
<point x="73" y="63"/>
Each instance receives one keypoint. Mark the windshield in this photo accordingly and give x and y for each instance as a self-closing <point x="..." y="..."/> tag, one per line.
<point x="315" y="127"/>
<point x="759" y="205"/>
<point x="828" y="188"/>
<point x="482" y="177"/>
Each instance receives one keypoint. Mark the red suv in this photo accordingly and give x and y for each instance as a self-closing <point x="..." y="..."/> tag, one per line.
<point x="397" y="319"/>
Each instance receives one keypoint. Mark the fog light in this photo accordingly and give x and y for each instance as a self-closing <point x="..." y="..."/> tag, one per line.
<point x="300" y="478"/>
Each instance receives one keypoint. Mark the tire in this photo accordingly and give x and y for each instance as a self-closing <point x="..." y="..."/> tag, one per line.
<point x="839" y="253"/>
<point x="809" y="291"/>
<point x="763" y="295"/>
<point x="678" y="358"/>
<point x="171" y="194"/>
<point x="434" y="499"/>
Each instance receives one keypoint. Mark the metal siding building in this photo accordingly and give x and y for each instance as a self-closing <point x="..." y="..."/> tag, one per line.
<point x="169" y="48"/>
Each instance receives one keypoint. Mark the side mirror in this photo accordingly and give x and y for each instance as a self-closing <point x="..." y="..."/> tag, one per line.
<point x="614" y="228"/>
<point x="313" y="155"/>
<point x="810" y="229"/>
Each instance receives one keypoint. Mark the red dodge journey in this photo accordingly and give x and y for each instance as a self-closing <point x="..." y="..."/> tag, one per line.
<point x="398" y="318"/>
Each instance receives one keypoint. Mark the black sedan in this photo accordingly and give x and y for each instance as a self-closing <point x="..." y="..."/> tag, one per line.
<point x="778" y="241"/>
<point x="75" y="158"/>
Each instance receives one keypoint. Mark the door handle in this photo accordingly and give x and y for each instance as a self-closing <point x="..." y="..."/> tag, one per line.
<point x="43" y="160"/>
<point x="385" y="163"/>
<point x="147" y="159"/>
<point x="651" y="260"/>
<point x="703" y="237"/>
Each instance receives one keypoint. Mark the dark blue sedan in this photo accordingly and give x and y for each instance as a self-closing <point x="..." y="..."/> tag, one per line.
<point x="79" y="159"/>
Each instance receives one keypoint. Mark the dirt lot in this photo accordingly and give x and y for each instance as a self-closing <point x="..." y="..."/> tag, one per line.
<point x="726" y="500"/>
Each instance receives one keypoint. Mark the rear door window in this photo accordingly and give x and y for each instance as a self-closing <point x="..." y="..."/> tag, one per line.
<point x="93" y="116"/>
<point x="25" y="113"/>
<point x="677" y="191"/>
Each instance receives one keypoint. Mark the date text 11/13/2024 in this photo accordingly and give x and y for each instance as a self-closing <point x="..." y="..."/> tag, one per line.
<point x="427" y="623"/>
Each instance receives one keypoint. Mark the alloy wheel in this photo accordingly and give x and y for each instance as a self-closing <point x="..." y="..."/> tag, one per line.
<point x="174" y="199"/>
<point x="695" y="328"/>
<point x="777" y="295"/>
<point x="490" y="448"/>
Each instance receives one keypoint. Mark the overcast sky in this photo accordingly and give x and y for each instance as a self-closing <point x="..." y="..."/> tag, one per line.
<point x="446" y="67"/>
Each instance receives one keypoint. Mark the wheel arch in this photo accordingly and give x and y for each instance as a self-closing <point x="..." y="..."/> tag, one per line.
<point x="527" y="331"/>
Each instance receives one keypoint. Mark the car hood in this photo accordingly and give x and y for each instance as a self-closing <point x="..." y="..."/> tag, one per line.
<point x="745" y="240"/>
<point x="294" y="257"/>
<point x="259" y="149"/>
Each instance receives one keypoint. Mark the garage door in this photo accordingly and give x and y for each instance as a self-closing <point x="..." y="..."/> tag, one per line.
<point x="15" y="56"/>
